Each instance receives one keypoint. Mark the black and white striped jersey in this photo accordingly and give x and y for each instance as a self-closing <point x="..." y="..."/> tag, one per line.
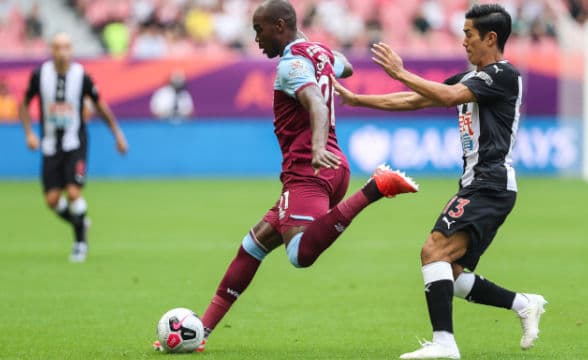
<point x="488" y="127"/>
<point x="62" y="105"/>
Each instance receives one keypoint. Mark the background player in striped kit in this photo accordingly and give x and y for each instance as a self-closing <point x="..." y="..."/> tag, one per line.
<point x="488" y="101"/>
<point x="62" y="86"/>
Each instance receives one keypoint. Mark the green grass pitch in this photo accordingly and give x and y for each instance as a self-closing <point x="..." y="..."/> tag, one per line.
<point x="156" y="245"/>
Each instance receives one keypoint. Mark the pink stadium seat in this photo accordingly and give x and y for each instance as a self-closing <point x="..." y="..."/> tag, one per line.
<point x="97" y="12"/>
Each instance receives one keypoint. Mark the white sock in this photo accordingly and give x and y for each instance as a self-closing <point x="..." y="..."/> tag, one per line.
<point x="78" y="206"/>
<point x="520" y="302"/>
<point x="444" y="338"/>
<point x="61" y="204"/>
<point x="436" y="271"/>
<point x="463" y="284"/>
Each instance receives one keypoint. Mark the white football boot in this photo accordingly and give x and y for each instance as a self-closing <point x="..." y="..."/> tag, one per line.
<point x="530" y="317"/>
<point x="432" y="350"/>
<point x="79" y="252"/>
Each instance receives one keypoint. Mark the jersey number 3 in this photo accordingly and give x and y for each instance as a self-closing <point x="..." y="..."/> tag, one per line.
<point x="455" y="207"/>
<point x="327" y="90"/>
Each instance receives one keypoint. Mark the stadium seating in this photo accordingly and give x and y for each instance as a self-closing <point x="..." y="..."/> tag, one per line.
<point x="197" y="26"/>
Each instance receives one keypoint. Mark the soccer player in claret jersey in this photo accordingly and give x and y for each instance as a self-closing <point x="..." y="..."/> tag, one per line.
<point x="488" y="99"/>
<point x="309" y="215"/>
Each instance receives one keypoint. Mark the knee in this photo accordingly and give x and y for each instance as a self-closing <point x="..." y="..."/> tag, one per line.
<point x="432" y="249"/>
<point x="252" y="246"/>
<point x="52" y="200"/>
<point x="73" y="193"/>
<point x="303" y="262"/>
<point x="293" y="252"/>
<point x="439" y="247"/>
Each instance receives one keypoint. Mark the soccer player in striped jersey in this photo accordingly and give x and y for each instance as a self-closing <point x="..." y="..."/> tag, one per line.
<point x="62" y="86"/>
<point x="488" y="100"/>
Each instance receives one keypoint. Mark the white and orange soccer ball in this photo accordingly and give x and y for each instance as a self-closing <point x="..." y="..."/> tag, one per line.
<point x="180" y="331"/>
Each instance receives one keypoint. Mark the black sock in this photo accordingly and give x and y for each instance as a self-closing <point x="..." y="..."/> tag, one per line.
<point x="439" y="296"/>
<point x="79" y="227"/>
<point x="488" y="293"/>
<point x="65" y="215"/>
<point x="370" y="190"/>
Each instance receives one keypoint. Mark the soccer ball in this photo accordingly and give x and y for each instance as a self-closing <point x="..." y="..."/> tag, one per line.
<point x="180" y="331"/>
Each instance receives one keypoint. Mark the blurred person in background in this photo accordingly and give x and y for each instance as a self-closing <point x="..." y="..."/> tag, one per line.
<point x="488" y="101"/>
<point x="172" y="101"/>
<point x="8" y="103"/>
<point x="34" y="23"/>
<point x="116" y="38"/>
<point x="150" y="43"/>
<point x="62" y="86"/>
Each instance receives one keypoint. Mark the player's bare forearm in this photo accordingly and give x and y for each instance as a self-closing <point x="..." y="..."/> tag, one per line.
<point x="442" y="94"/>
<point x="311" y="99"/>
<point x="347" y="67"/>
<point x="445" y="95"/>
<point x="319" y="123"/>
<point x="108" y="116"/>
<point x="25" y="118"/>
<point x="31" y="138"/>
<point x="400" y="101"/>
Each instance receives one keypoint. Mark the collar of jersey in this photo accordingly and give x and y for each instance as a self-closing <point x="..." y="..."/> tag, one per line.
<point x="287" y="48"/>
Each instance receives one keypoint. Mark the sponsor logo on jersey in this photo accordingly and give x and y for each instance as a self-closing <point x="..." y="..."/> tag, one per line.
<point x="497" y="69"/>
<point x="298" y="68"/>
<point x="466" y="131"/>
<point x="486" y="77"/>
<point x="61" y="114"/>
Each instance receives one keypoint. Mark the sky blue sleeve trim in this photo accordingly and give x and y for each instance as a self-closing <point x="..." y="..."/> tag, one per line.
<point x="293" y="248"/>
<point x="338" y="67"/>
<point x="294" y="72"/>
<point x="251" y="247"/>
<point x="302" y="217"/>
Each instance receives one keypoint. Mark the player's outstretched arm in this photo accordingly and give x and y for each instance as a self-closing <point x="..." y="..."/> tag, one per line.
<point x="25" y="118"/>
<point x="105" y="112"/>
<point x="312" y="100"/>
<point x="32" y="91"/>
<point x="445" y="95"/>
<point x="399" y="101"/>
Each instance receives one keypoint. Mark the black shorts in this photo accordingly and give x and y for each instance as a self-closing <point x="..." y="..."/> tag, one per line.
<point x="479" y="212"/>
<point x="64" y="168"/>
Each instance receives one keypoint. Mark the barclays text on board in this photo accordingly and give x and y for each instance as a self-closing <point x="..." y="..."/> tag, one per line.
<point x="237" y="147"/>
<point x="434" y="146"/>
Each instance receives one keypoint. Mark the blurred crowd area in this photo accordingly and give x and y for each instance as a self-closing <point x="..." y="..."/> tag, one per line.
<point x="179" y="28"/>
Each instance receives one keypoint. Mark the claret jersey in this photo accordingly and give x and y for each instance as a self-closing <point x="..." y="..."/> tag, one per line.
<point x="303" y="64"/>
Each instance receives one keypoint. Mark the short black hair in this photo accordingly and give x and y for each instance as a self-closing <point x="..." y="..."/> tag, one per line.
<point x="491" y="17"/>
<point x="280" y="9"/>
